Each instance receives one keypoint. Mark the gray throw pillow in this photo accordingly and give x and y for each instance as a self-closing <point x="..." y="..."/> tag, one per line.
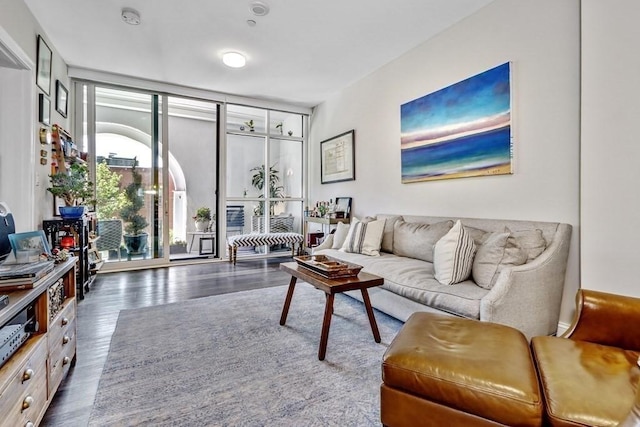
<point x="387" y="236"/>
<point x="532" y="242"/>
<point x="499" y="250"/>
<point x="416" y="240"/>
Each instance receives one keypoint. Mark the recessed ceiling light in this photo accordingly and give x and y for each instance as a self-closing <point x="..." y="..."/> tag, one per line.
<point x="130" y="16"/>
<point x="259" y="8"/>
<point x="234" y="59"/>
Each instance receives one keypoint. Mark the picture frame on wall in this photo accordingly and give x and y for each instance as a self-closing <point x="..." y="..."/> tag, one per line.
<point x="43" y="66"/>
<point x="337" y="158"/>
<point x="62" y="99"/>
<point x="44" y="109"/>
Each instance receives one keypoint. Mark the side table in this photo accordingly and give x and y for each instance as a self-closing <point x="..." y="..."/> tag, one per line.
<point x="202" y="236"/>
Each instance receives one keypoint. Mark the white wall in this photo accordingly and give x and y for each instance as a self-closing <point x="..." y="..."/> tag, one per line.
<point x="24" y="169"/>
<point x="610" y="155"/>
<point x="541" y="39"/>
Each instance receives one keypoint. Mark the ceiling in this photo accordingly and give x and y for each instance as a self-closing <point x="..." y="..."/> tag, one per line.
<point x="300" y="53"/>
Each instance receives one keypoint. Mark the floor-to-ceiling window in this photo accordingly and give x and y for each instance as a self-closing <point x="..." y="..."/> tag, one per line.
<point x="265" y="174"/>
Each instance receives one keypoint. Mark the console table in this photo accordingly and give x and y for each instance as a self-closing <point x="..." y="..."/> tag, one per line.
<point x="202" y="236"/>
<point x="328" y="222"/>
<point x="30" y="378"/>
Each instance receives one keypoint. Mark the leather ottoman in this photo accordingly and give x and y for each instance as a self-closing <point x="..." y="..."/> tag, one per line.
<point x="444" y="370"/>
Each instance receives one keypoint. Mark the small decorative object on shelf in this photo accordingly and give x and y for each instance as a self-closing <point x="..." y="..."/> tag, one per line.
<point x="279" y="127"/>
<point x="250" y="125"/>
<point x="290" y="133"/>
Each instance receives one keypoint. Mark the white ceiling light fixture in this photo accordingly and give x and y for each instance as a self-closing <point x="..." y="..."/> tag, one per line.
<point x="259" y="8"/>
<point x="234" y="59"/>
<point x="130" y="16"/>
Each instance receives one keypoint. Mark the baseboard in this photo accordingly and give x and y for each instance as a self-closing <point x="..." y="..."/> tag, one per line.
<point x="562" y="328"/>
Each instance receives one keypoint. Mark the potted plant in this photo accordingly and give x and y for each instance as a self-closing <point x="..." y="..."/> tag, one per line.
<point x="250" y="125"/>
<point x="203" y="218"/>
<point x="135" y="238"/>
<point x="72" y="186"/>
<point x="272" y="179"/>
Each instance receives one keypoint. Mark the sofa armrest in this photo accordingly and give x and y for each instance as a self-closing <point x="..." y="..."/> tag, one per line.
<point x="606" y="319"/>
<point x="326" y="244"/>
<point x="528" y="297"/>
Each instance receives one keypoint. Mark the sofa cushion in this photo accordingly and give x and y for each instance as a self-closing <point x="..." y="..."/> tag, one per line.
<point x="453" y="256"/>
<point x="413" y="279"/>
<point x="585" y="383"/>
<point x="364" y="237"/>
<point x="530" y="241"/>
<point x="387" y="236"/>
<point x="498" y="251"/>
<point x="416" y="240"/>
<point x="342" y="230"/>
<point x="478" y="235"/>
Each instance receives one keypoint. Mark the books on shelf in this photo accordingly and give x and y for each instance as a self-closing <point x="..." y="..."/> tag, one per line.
<point x="23" y="276"/>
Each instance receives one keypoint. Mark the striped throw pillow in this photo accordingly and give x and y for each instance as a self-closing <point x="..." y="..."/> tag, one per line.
<point x="453" y="256"/>
<point x="364" y="237"/>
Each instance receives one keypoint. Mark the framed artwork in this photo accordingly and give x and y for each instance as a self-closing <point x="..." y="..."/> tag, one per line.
<point x="343" y="204"/>
<point x="62" y="99"/>
<point x="44" y="109"/>
<point x="34" y="242"/>
<point x="43" y="66"/>
<point x="337" y="158"/>
<point x="460" y="131"/>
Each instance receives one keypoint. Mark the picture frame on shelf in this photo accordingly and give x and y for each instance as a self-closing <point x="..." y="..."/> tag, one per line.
<point x="62" y="99"/>
<point x="343" y="204"/>
<point x="337" y="158"/>
<point x="44" y="109"/>
<point x="29" y="246"/>
<point x="43" y="66"/>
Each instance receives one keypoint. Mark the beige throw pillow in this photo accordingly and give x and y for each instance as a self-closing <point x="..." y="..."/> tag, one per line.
<point x="364" y="237"/>
<point x="453" y="256"/>
<point x="532" y="242"/>
<point x="499" y="250"/>
<point x="416" y="240"/>
<point x="340" y="235"/>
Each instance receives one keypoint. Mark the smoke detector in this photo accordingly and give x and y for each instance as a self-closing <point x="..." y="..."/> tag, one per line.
<point x="259" y="8"/>
<point x="130" y="16"/>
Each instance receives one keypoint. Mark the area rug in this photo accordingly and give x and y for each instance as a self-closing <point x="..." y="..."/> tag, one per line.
<point x="226" y="361"/>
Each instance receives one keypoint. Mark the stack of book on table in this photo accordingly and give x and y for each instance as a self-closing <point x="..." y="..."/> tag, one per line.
<point x="23" y="276"/>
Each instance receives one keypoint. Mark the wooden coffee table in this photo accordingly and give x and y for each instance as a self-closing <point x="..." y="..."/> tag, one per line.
<point x="330" y="287"/>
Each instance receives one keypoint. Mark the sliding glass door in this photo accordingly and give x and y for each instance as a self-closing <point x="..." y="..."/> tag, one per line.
<point x="155" y="159"/>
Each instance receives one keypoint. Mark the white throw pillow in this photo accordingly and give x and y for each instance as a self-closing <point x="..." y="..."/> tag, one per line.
<point x="364" y="237"/>
<point x="340" y="235"/>
<point x="453" y="256"/>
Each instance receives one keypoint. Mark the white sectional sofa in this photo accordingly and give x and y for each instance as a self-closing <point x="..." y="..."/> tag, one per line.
<point x="525" y="294"/>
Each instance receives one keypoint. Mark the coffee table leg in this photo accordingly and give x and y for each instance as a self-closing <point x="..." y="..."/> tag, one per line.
<point x="324" y="337"/>
<point x="372" y="319"/>
<point x="287" y="301"/>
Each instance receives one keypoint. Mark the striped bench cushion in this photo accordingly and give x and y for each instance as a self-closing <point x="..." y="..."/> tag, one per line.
<point x="260" y="239"/>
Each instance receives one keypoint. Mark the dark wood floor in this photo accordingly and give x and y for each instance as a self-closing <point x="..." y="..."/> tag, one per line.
<point x="112" y="292"/>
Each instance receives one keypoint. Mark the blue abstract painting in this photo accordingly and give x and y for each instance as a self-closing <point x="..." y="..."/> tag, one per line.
<point x="460" y="131"/>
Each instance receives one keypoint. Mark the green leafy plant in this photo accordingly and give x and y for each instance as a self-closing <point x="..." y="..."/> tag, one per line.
<point x="109" y="196"/>
<point x="73" y="186"/>
<point x="250" y="125"/>
<point x="203" y="214"/>
<point x="272" y="179"/>
<point x="134" y="222"/>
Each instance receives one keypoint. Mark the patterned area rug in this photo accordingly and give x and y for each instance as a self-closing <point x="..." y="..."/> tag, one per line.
<point x="226" y="361"/>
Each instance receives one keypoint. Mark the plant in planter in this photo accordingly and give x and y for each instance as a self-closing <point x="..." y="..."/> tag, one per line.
<point x="203" y="218"/>
<point x="271" y="178"/>
<point x="135" y="238"/>
<point x="74" y="187"/>
<point x="250" y="125"/>
<point x="109" y="197"/>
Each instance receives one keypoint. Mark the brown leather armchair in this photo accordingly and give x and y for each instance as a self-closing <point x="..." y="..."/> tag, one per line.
<point x="590" y="375"/>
